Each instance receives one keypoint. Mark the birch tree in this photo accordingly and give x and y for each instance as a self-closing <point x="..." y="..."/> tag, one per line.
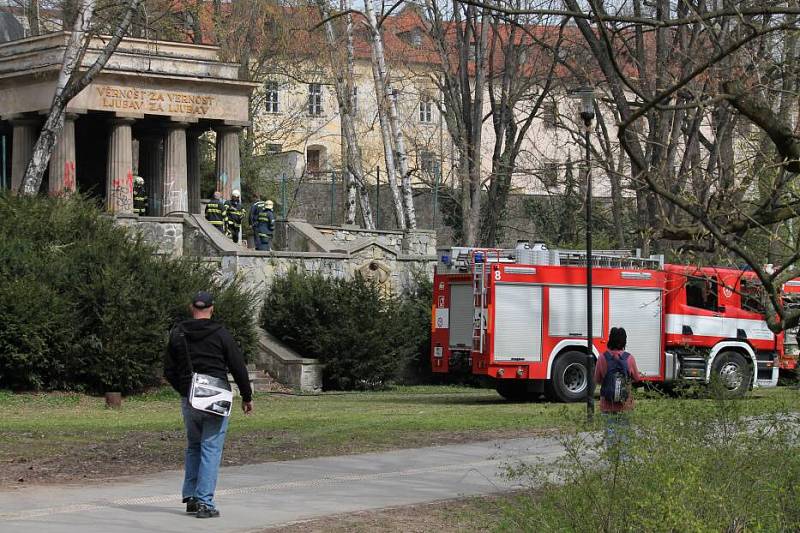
<point x="71" y="82"/>
<point x="385" y="99"/>
<point x="343" y="84"/>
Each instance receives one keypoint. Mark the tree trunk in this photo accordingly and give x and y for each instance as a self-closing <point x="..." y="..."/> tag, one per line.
<point x="33" y="17"/>
<point x="69" y="84"/>
<point x="344" y="95"/>
<point x="402" y="162"/>
<point x="381" y="92"/>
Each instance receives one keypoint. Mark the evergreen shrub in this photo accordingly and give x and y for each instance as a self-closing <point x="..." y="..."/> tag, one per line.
<point x="86" y="304"/>
<point x="366" y="338"/>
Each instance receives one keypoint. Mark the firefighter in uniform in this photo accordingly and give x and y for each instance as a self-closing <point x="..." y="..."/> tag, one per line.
<point x="263" y="221"/>
<point x="234" y="214"/>
<point x="215" y="211"/>
<point x="139" y="196"/>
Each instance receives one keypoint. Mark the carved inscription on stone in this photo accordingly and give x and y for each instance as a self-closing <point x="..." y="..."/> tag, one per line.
<point x="153" y="101"/>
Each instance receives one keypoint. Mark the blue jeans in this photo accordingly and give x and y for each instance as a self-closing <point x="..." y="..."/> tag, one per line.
<point x="617" y="433"/>
<point x="205" y="436"/>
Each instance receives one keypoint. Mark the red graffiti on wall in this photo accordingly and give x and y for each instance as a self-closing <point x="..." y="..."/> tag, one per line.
<point x="69" y="176"/>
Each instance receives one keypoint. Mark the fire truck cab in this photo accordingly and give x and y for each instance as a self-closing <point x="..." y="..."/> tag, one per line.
<point x="518" y="317"/>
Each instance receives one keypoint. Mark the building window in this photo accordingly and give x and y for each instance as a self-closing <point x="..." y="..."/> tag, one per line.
<point x="549" y="173"/>
<point x="314" y="99"/>
<point x="313" y="160"/>
<point x="271" y="89"/>
<point x="549" y="114"/>
<point x="426" y="110"/>
<point x="429" y="163"/>
<point x="354" y="100"/>
<point x="274" y="148"/>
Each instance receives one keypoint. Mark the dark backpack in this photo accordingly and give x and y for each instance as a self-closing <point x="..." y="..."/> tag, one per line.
<point x="616" y="382"/>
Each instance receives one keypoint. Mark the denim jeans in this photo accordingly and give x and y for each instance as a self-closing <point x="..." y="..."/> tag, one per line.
<point x="205" y="437"/>
<point x="617" y="433"/>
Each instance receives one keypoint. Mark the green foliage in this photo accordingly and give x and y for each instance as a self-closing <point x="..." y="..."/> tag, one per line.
<point x="682" y="468"/>
<point x="560" y="221"/>
<point x="86" y="305"/>
<point x="365" y="338"/>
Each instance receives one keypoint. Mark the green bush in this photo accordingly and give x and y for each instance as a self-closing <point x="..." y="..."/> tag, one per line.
<point x="684" y="468"/>
<point x="86" y="305"/>
<point x="365" y="338"/>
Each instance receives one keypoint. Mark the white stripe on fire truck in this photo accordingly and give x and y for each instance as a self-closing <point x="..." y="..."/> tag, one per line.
<point x="712" y="326"/>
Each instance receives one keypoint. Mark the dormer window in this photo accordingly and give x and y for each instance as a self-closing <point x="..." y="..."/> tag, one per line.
<point x="416" y="37"/>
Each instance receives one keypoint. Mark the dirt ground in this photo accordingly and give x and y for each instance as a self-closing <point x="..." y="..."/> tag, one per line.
<point x="138" y="453"/>
<point x="449" y="516"/>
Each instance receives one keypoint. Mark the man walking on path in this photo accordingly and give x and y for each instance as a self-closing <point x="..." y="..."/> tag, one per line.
<point x="211" y="350"/>
<point x="615" y="371"/>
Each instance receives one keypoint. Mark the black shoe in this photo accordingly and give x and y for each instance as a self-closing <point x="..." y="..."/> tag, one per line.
<point x="191" y="504"/>
<point x="204" y="511"/>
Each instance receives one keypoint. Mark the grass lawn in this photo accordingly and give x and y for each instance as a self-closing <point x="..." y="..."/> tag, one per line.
<point x="66" y="437"/>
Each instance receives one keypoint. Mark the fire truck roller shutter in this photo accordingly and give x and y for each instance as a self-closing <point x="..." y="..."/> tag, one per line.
<point x="518" y="323"/>
<point x="568" y="312"/>
<point x="461" y="315"/>
<point x="639" y="312"/>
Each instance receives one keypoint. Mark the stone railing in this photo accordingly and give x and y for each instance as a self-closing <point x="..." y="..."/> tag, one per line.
<point x="393" y="259"/>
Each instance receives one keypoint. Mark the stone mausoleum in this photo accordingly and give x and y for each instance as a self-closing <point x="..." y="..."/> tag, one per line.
<point x="142" y="115"/>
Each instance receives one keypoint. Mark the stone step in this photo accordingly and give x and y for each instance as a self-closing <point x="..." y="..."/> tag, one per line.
<point x="260" y="381"/>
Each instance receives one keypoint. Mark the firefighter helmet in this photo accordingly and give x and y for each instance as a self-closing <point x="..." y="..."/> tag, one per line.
<point x="235" y="193"/>
<point x="138" y="180"/>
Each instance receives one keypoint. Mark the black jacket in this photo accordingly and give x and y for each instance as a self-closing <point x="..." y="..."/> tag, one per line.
<point x="213" y="352"/>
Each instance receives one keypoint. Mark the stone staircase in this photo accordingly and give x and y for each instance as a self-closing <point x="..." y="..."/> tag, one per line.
<point x="260" y="381"/>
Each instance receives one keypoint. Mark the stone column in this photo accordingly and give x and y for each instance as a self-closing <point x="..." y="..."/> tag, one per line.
<point x="24" y="137"/>
<point x="119" y="169"/>
<point x="135" y="150"/>
<point x="228" y="164"/>
<point x="193" y="168"/>
<point x="62" y="160"/>
<point x="151" y="166"/>
<point x="176" y="196"/>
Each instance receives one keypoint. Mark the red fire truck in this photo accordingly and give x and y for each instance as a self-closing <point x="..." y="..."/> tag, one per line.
<point x="518" y="317"/>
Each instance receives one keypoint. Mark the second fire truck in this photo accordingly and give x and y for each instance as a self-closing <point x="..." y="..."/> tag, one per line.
<point x="518" y="317"/>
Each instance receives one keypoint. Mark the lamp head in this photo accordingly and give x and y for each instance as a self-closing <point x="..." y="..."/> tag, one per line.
<point x="586" y="94"/>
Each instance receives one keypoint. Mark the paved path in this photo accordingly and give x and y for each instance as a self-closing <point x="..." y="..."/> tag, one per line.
<point x="269" y="494"/>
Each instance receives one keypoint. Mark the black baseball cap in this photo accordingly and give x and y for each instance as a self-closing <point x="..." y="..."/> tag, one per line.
<point x="202" y="300"/>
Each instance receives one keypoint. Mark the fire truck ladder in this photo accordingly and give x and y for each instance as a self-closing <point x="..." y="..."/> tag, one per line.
<point x="481" y="268"/>
<point x="608" y="259"/>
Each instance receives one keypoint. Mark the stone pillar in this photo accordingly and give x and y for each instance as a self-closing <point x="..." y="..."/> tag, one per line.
<point x="62" y="160"/>
<point x="135" y="150"/>
<point x="228" y="164"/>
<point x="176" y="196"/>
<point x="24" y="137"/>
<point x="193" y="168"/>
<point x="119" y="169"/>
<point x="151" y="166"/>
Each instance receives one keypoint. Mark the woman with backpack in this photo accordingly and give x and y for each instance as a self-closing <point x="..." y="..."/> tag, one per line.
<point x="616" y="371"/>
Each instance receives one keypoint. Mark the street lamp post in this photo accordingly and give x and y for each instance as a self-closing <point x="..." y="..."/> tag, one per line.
<point x="587" y="115"/>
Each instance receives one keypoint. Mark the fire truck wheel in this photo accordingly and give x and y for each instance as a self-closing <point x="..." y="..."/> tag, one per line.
<point x="570" y="378"/>
<point x="733" y="374"/>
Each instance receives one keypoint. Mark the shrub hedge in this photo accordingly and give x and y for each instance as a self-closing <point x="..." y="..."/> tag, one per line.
<point x="683" y="467"/>
<point x="87" y="306"/>
<point x="366" y="338"/>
